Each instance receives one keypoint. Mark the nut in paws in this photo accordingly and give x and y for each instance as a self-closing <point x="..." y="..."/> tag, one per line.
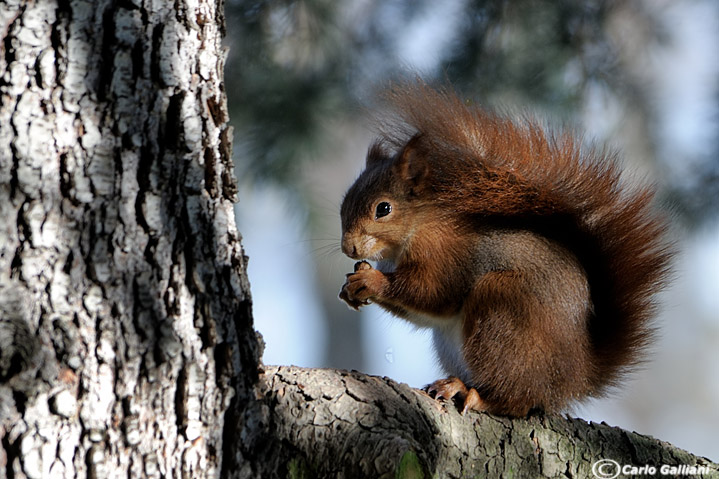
<point x="362" y="286"/>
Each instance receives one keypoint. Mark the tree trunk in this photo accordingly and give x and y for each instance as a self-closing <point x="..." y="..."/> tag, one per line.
<point x="125" y="323"/>
<point x="126" y="343"/>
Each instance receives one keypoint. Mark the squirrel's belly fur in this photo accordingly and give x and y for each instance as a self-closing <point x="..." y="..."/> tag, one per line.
<point x="448" y="343"/>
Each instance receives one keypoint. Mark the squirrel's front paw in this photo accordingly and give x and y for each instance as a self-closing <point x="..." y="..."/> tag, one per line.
<point x="362" y="286"/>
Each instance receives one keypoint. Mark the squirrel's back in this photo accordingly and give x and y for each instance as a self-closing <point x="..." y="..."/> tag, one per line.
<point x="492" y="169"/>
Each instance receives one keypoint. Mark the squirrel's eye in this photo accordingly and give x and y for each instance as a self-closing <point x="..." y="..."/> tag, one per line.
<point x="383" y="209"/>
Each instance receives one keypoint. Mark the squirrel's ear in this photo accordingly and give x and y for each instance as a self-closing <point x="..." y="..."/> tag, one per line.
<point x="412" y="165"/>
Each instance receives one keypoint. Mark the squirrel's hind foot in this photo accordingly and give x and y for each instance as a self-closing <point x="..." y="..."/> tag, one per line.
<point x="453" y="388"/>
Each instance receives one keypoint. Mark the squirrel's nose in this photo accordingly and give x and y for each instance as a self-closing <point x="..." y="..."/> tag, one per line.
<point x="349" y="247"/>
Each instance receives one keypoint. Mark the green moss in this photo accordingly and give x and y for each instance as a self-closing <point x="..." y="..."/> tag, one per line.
<point x="297" y="468"/>
<point x="409" y="467"/>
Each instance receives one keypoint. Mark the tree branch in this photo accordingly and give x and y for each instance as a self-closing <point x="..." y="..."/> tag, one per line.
<point x="330" y="423"/>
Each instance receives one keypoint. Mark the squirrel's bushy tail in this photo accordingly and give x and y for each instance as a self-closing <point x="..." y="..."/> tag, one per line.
<point x="496" y="169"/>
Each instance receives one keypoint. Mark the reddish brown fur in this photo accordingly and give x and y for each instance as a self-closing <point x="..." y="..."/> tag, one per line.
<point x="550" y="259"/>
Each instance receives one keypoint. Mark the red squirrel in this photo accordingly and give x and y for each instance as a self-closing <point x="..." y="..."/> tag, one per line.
<point x="532" y="261"/>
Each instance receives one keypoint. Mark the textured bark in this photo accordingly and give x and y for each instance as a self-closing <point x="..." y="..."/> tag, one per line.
<point x="124" y="309"/>
<point x="328" y="423"/>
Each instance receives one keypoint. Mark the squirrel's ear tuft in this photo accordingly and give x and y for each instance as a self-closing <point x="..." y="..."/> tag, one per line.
<point x="412" y="165"/>
<point x="377" y="153"/>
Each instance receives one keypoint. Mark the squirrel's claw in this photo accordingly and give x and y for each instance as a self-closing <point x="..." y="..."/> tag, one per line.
<point x="452" y="388"/>
<point x="351" y="302"/>
<point x="346" y="296"/>
<point x="361" y="286"/>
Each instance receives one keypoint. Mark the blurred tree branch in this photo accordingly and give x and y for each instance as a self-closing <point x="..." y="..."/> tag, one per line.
<point x="297" y="63"/>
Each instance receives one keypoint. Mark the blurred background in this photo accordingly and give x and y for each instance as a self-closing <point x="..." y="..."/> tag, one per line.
<point x="639" y="76"/>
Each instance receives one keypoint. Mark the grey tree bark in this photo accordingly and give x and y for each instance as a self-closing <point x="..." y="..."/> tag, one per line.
<point x="329" y="423"/>
<point x="126" y="342"/>
<point x="125" y="324"/>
